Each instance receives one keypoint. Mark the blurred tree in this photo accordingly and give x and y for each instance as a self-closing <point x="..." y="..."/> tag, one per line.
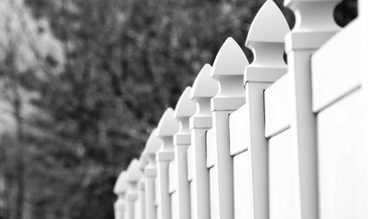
<point x="23" y="62"/>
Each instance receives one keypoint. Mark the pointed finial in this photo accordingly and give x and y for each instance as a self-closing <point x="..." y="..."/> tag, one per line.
<point x="121" y="184"/>
<point x="167" y="128"/>
<point x="167" y="125"/>
<point x="153" y="143"/>
<point x="266" y="40"/>
<point x="204" y="88"/>
<point x="228" y="69"/>
<point x="230" y="60"/>
<point x="185" y="108"/>
<point x="269" y="25"/>
<point x="133" y="172"/>
<point x="143" y="162"/>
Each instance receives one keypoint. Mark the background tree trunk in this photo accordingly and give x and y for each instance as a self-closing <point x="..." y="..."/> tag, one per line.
<point x="20" y="168"/>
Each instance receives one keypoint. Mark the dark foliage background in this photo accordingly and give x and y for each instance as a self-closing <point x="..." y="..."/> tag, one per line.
<point x="125" y="62"/>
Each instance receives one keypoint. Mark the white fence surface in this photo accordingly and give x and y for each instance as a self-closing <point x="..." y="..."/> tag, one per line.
<point x="264" y="140"/>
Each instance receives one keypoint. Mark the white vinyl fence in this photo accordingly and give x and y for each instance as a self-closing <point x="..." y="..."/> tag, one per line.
<point x="264" y="140"/>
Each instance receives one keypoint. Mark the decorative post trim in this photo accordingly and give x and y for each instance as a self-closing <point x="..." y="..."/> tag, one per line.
<point x="268" y="46"/>
<point x="133" y="176"/>
<point x="228" y="71"/>
<point x="167" y="127"/>
<point x="119" y="209"/>
<point x="150" y="172"/>
<point x="204" y="88"/>
<point x="120" y="189"/>
<point x="182" y="140"/>
<point x="143" y="162"/>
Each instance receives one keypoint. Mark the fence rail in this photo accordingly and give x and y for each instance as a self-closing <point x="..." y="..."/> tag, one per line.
<point x="264" y="139"/>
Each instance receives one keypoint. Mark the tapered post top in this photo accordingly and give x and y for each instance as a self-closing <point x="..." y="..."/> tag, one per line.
<point x="152" y="145"/>
<point x="167" y="128"/>
<point x="133" y="175"/>
<point x="121" y="184"/>
<point x="168" y="125"/>
<point x="184" y="109"/>
<point x="204" y="88"/>
<point x="143" y="162"/>
<point x="267" y="44"/>
<point x="314" y="23"/>
<point x="268" y="26"/>
<point x="133" y="172"/>
<point x="228" y="69"/>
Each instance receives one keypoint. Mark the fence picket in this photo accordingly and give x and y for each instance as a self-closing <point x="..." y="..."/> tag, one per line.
<point x="167" y="127"/>
<point x="150" y="173"/>
<point x="204" y="88"/>
<point x="185" y="108"/>
<point x="143" y="162"/>
<point x="227" y="70"/>
<point x="314" y="26"/>
<point x="132" y="178"/>
<point x="120" y="190"/>
<point x="268" y="66"/>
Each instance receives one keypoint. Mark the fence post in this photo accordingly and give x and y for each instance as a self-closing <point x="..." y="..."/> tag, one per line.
<point x="120" y="190"/>
<point x="150" y="172"/>
<point x="267" y="45"/>
<point x="133" y="175"/>
<point x="141" y="198"/>
<point x="167" y="127"/>
<point x="184" y="109"/>
<point x="143" y="162"/>
<point x="119" y="208"/>
<point x="314" y="26"/>
<point x="228" y="69"/>
<point x="204" y="88"/>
